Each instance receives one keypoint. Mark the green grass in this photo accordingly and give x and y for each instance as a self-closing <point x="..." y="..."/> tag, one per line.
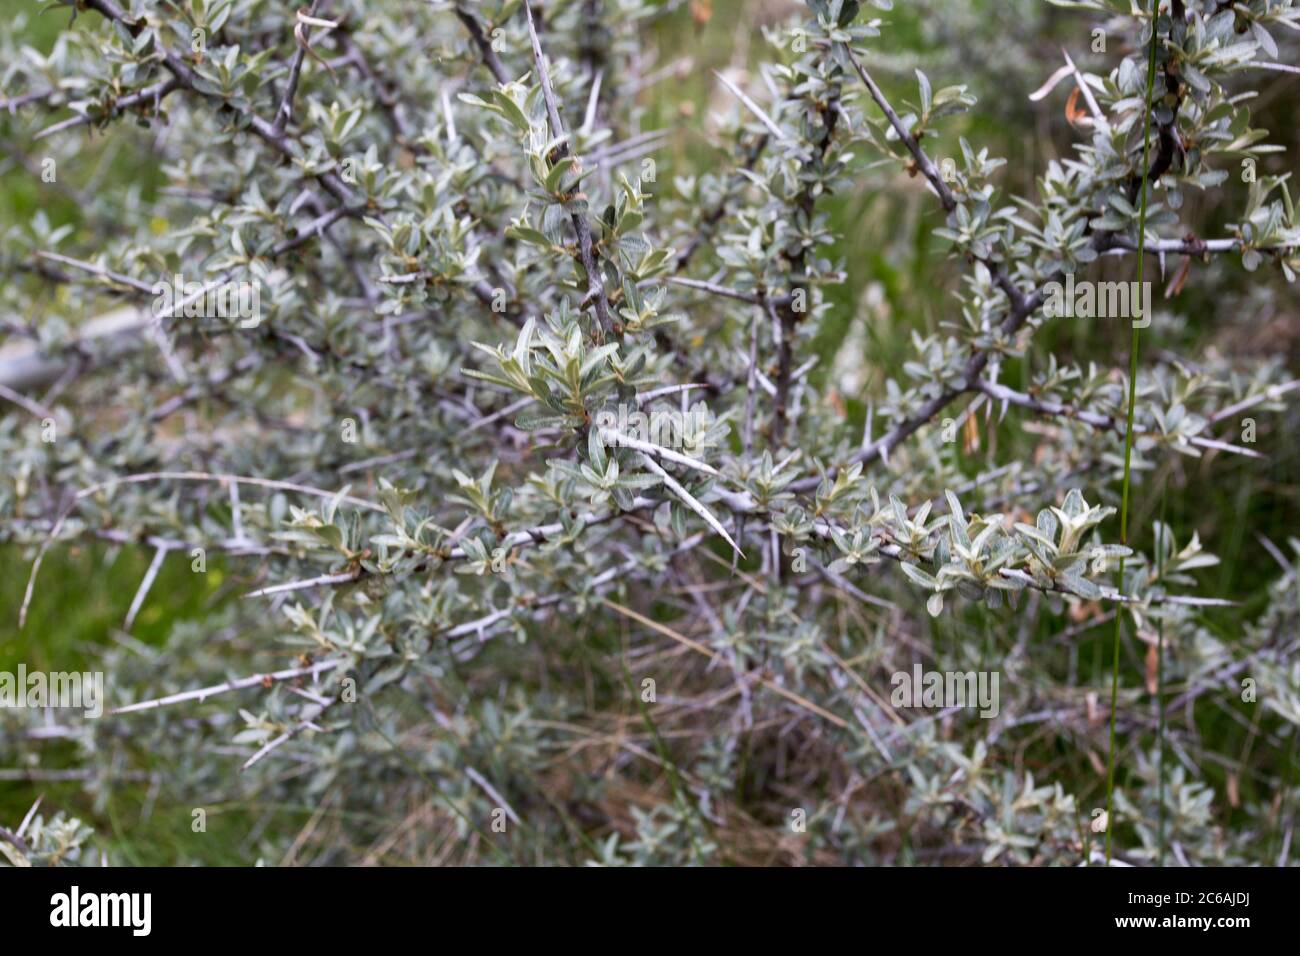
<point x="82" y="596"/>
<point x="80" y="602"/>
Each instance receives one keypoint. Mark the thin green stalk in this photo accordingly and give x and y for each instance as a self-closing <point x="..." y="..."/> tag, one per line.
<point x="681" y="793"/>
<point x="1160" y="667"/>
<point x="1128" y="431"/>
<point x="1284" y="808"/>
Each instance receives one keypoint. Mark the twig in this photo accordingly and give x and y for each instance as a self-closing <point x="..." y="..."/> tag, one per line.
<point x="242" y="683"/>
<point x="489" y="55"/>
<point x="714" y="288"/>
<point x="143" y="590"/>
<point x="169" y="476"/>
<point x="288" y="735"/>
<point x="1270" y="394"/>
<point x="712" y="655"/>
<point x="302" y="34"/>
<point x="491" y="791"/>
<point x="305" y="585"/>
<point x="154" y="93"/>
<point x="22" y="401"/>
<point x="10" y="837"/>
<point x="931" y="173"/>
<point x="752" y="107"/>
<point x="1097" y="115"/>
<point x="1094" y="420"/>
<point x="595" y="284"/>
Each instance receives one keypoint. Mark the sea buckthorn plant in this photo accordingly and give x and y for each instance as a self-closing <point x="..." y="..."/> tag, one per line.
<point x="566" y="486"/>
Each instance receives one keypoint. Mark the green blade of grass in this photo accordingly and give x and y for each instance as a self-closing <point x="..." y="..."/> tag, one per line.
<point x="1128" y="431"/>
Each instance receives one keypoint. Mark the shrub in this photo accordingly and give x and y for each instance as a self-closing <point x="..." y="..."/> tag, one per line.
<point x="370" y="347"/>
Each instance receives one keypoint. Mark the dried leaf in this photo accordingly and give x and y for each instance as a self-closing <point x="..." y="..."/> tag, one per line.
<point x="970" y="435"/>
<point x="1175" y="285"/>
<point x="1073" y="113"/>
